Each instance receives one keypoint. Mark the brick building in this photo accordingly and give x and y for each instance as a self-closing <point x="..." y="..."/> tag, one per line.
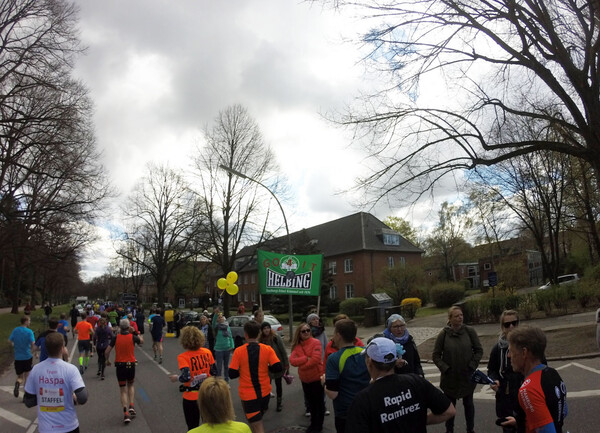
<point x="356" y="248"/>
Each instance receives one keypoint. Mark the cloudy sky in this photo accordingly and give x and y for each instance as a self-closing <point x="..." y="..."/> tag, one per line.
<point x="159" y="71"/>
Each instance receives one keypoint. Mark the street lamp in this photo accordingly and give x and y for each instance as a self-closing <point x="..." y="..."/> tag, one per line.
<point x="231" y="171"/>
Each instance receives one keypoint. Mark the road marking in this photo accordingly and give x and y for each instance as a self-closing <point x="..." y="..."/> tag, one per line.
<point x="164" y="370"/>
<point x="14" y="418"/>
<point x="32" y="428"/>
<point x="585" y="367"/>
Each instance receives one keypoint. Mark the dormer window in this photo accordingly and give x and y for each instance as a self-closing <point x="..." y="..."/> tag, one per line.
<point x="391" y="239"/>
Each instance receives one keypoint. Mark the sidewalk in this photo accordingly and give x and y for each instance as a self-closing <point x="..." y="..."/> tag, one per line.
<point x="424" y="328"/>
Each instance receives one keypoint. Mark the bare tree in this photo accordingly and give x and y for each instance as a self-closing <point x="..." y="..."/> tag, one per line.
<point x="163" y="218"/>
<point x="448" y="237"/>
<point x="530" y="62"/>
<point x="236" y="208"/>
<point x="534" y="186"/>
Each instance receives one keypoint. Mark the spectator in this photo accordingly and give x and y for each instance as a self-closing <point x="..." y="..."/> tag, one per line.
<point x="457" y="353"/>
<point x="395" y="402"/>
<point x="209" y="336"/>
<point x="223" y="346"/>
<point x="543" y="395"/>
<point x="59" y="385"/>
<point x="397" y="332"/>
<point x="270" y="338"/>
<point x="500" y="370"/>
<point x="241" y="309"/>
<point x="306" y="354"/>
<point x="216" y="407"/>
<point x="317" y="329"/>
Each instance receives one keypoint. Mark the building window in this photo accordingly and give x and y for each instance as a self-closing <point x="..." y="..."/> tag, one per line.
<point x="245" y="278"/>
<point x="349" y="291"/>
<point x="487" y="266"/>
<point x="391" y="239"/>
<point x="333" y="292"/>
<point x="333" y="268"/>
<point x="253" y="296"/>
<point x="348" y="266"/>
<point x="253" y="278"/>
<point x="402" y="261"/>
<point x="390" y="262"/>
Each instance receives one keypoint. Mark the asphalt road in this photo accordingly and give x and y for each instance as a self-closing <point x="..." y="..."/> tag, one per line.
<point x="158" y="401"/>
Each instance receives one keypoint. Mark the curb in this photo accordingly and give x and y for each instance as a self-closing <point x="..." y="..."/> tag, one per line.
<point x="553" y="358"/>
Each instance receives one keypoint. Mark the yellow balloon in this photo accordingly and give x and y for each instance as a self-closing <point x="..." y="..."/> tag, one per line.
<point x="231" y="277"/>
<point x="222" y="283"/>
<point x="232" y="289"/>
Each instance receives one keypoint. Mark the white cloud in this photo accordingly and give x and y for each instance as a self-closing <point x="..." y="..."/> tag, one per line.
<point x="159" y="71"/>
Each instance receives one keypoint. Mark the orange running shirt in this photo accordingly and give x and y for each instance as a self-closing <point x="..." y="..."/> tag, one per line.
<point x="124" y="345"/>
<point x="198" y="361"/>
<point x="252" y="360"/>
<point x="84" y="330"/>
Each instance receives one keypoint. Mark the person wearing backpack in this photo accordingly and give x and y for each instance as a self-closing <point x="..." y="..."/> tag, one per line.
<point x="457" y="353"/>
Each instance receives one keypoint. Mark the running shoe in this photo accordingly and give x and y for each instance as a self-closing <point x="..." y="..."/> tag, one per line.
<point x="132" y="412"/>
<point x="307" y="414"/>
<point x="272" y="395"/>
<point x="16" y="390"/>
<point x="160" y="360"/>
<point x="126" y="419"/>
<point x="102" y="377"/>
<point x="81" y="370"/>
<point x="327" y="413"/>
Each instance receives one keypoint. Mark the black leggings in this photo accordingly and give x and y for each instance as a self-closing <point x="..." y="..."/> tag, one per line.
<point x="101" y="361"/>
<point x="314" y="396"/>
<point x="278" y="387"/>
<point x="469" y="413"/>
<point x="191" y="411"/>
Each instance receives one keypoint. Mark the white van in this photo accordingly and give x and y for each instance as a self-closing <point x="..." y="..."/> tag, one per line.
<point x="562" y="280"/>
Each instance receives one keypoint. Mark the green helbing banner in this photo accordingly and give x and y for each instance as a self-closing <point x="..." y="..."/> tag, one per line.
<point x="289" y="274"/>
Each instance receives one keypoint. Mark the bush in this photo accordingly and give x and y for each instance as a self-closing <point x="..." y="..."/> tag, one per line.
<point x="446" y="295"/>
<point x="410" y="307"/>
<point x="527" y="305"/>
<point x="584" y="294"/>
<point x="353" y="306"/>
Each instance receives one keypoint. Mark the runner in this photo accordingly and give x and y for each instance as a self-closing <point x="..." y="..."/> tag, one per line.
<point x="55" y="387"/>
<point x="40" y="342"/>
<point x="74" y="313"/>
<point x="102" y="338"/>
<point x="63" y="327"/>
<point x="84" y="333"/>
<point x="195" y="365"/>
<point x="252" y="363"/>
<point x="157" y="323"/>
<point x="124" y="343"/>
<point x="23" y="341"/>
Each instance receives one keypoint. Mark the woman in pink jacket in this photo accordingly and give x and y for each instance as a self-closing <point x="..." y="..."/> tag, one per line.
<point x="306" y="355"/>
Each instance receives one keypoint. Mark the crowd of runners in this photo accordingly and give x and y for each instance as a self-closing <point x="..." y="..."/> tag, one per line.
<point x="375" y="386"/>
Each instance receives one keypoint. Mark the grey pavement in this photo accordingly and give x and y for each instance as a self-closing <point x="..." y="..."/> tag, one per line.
<point x="424" y="328"/>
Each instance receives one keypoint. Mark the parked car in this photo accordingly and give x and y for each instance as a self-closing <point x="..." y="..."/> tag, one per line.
<point x="236" y="324"/>
<point x="190" y="318"/>
<point x="562" y="280"/>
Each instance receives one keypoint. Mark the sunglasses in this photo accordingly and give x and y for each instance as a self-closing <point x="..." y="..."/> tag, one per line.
<point x="305" y="331"/>
<point x="513" y="323"/>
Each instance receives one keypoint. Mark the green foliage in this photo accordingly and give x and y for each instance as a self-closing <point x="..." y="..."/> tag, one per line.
<point x="403" y="227"/>
<point x="353" y="306"/>
<point x="446" y="295"/>
<point x="512" y="273"/>
<point x="527" y="305"/>
<point x="585" y="294"/>
<point x="399" y="282"/>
